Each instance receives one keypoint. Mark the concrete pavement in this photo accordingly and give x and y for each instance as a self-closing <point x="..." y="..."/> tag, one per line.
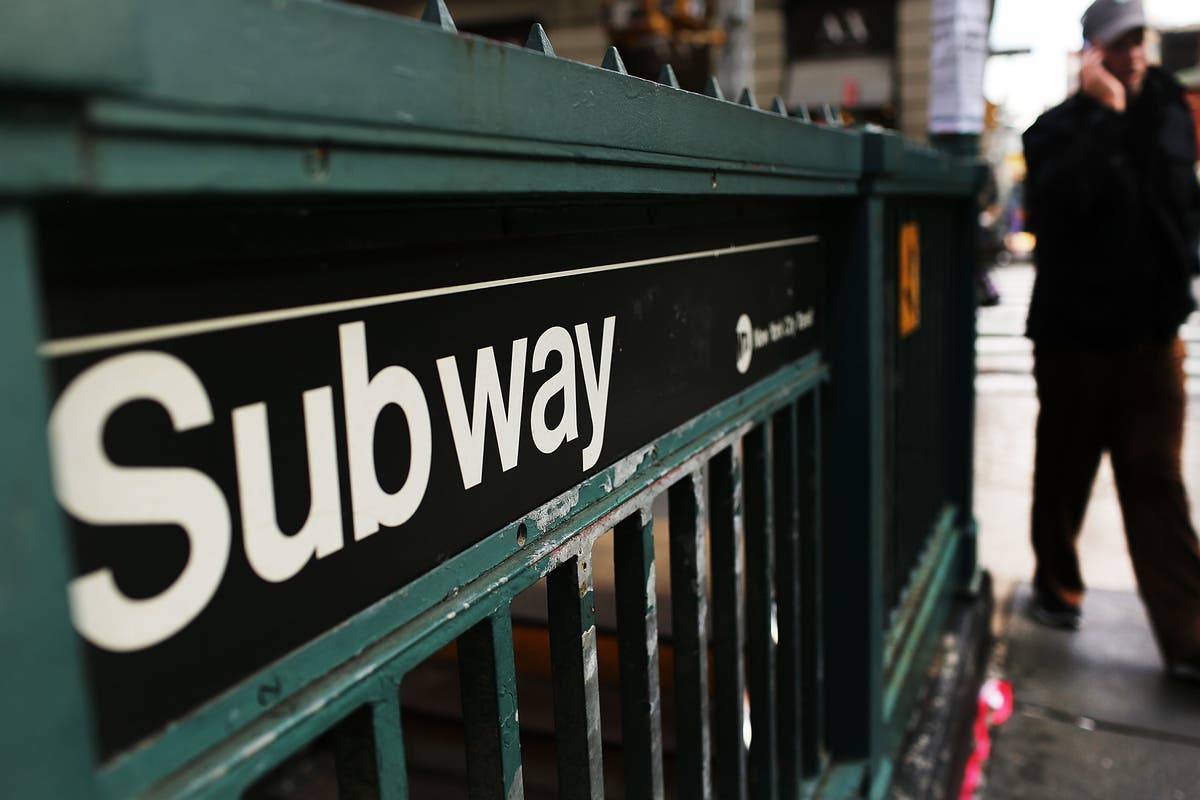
<point x="1094" y="718"/>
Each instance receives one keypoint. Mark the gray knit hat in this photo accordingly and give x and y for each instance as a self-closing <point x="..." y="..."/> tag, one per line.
<point x="1105" y="21"/>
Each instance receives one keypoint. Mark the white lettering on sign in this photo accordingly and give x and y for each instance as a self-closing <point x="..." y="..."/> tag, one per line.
<point x="745" y="342"/>
<point x="595" y="383"/>
<point x="274" y="555"/>
<point x="365" y="398"/>
<point x="750" y="338"/>
<point x="547" y="439"/>
<point x="469" y="436"/>
<point x="96" y="491"/>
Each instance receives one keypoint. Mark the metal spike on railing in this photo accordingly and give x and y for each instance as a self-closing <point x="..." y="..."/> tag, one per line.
<point x="831" y="119"/>
<point x="667" y="77"/>
<point x="747" y="98"/>
<point x="612" y="60"/>
<point x="539" y="41"/>
<point x="778" y="107"/>
<point x="804" y="115"/>
<point x="713" y="88"/>
<point x="437" y="14"/>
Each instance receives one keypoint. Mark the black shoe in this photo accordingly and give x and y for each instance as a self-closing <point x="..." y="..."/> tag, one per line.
<point x="1052" y="612"/>
<point x="1184" y="671"/>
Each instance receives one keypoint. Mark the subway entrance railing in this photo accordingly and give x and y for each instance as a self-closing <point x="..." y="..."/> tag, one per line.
<point x="394" y="413"/>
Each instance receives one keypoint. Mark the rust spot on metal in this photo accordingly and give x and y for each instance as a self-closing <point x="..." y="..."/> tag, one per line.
<point x="316" y="162"/>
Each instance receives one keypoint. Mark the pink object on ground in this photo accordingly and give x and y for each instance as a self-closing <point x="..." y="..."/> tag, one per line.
<point x="995" y="707"/>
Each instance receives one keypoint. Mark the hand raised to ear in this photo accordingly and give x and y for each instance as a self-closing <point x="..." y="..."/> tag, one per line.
<point x="1100" y="84"/>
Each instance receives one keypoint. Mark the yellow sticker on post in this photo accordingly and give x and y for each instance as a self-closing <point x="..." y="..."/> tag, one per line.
<point x="910" y="278"/>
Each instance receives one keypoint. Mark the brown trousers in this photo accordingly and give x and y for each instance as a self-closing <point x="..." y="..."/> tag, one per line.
<point x="1130" y="402"/>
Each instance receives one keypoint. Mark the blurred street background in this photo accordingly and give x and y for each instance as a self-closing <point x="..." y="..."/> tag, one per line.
<point x="1095" y="717"/>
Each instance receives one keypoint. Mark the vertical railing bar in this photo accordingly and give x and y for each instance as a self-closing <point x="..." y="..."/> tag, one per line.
<point x="689" y="612"/>
<point x="45" y="675"/>
<point x="961" y="403"/>
<point x="637" y="643"/>
<point x="507" y="719"/>
<point x="893" y="375"/>
<point x="389" y="742"/>
<point x="787" y="587"/>
<point x="570" y="602"/>
<point x="760" y="614"/>
<point x="488" y="676"/>
<point x="726" y="526"/>
<point x="812" y="648"/>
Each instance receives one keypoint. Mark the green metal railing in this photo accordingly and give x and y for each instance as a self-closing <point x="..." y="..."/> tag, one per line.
<point x="930" y="399"/>
<point x="173" y="173"/>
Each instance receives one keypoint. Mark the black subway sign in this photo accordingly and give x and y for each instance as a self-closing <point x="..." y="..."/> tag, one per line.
<point x="95" y="490"/>
<point x="239" y="483"/>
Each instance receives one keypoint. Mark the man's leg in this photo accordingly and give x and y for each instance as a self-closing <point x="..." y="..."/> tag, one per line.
<point x="1069" y="443"/>
<point x="1146" y="447"/>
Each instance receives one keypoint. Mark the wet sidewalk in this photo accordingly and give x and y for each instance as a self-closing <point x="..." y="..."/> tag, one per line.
<point x="1095" y="717"/>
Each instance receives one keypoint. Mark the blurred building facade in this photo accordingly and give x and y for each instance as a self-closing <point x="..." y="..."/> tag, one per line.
<point x="1181" y="55"/>
<point x="867" y="60"/>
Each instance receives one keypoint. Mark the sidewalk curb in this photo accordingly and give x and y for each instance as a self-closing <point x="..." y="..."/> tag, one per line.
<point x="938" y="740"/>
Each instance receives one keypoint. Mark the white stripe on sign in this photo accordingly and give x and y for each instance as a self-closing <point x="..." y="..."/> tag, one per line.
<point x="74" y="345"/>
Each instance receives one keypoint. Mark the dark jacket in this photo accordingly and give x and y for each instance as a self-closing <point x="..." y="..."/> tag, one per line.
<point x="1115" y="206"/>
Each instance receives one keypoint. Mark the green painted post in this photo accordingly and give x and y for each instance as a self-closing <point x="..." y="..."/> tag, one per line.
<point x="760" y="613"/>
<point x="727" y="531"/>
<point x="788" y="588"/>
<point x="489" y="698"/>
<point x="852" y="505"/>
<point x="45" y="739"/>
<point x="637" y="644"/>
<point x="70" y="45"/>
<point x="689" y="612"/>
<point x="962" y="388"/>
<point x="965" y="145"/>
<point x="812" y="649"/>
<point x="570" y="597"/>
<point x="389" y="742"/>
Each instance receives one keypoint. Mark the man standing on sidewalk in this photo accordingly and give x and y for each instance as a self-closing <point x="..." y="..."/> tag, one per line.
<point x="1114" y="203"/>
